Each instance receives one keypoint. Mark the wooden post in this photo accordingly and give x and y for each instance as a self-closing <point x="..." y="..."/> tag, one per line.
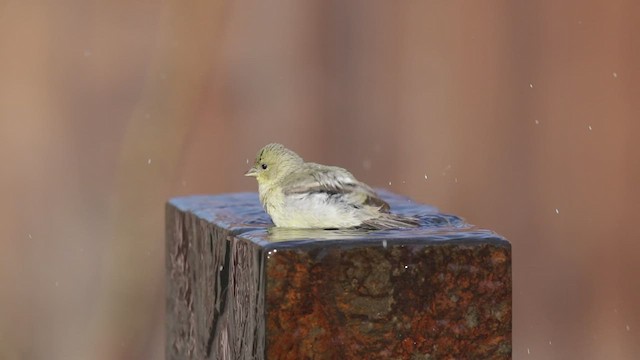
<point x="239" y="289"/>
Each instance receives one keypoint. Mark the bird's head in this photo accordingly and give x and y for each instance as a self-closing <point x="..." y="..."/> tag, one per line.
<point x="273" y="163"/>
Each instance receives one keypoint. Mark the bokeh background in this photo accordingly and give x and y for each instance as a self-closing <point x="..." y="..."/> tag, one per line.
<point x="521" y="116"/>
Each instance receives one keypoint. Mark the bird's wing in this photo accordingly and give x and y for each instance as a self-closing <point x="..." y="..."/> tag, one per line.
<point x="335" y="182"/>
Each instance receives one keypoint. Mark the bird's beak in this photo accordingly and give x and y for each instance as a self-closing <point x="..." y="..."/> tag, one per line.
<point x="251" y="172"/>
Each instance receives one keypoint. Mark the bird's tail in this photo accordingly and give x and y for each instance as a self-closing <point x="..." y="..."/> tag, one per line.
<point x="390" y="221"/>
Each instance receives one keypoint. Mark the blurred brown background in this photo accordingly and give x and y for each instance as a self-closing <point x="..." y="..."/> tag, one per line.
<point x="521" y="116"/>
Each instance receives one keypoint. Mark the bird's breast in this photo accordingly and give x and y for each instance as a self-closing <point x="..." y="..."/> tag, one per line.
<point x="271" y="198"/>
<point x="315" y="210"/>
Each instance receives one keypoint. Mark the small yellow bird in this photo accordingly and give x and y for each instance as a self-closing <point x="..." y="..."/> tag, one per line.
<point x="299" y="194"/>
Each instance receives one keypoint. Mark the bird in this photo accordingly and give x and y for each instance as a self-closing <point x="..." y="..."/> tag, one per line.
<point x="299" y="194"/>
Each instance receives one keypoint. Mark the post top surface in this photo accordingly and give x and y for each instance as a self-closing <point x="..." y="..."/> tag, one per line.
<point x="241" y="213"/>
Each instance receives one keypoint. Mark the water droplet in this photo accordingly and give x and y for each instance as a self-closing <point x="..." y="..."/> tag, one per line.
<point x="406" y="266"/>
<point x="537" y="122"/>
<point x="447" y="168"/>
<point x="530" y="85"/>
<point x="590" y="128"/>
<point x="557" y="211"/>
<point x="389" y="183"/>
<point x="149" y="161"/>
<point x="456" y="180"/>
<point x="384" y="244"/>
<point x="29" y="235"/>
<point x="615" y="75"/>
<point x="426" y="177"/>
<point x="528" y="351"/>
<point x="628" y="327"/>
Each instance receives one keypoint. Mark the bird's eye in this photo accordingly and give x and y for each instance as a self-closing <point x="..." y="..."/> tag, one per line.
<point x="264" y="166"/>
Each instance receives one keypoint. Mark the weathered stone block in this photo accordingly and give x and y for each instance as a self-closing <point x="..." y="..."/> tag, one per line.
<point x="238" y="289"/>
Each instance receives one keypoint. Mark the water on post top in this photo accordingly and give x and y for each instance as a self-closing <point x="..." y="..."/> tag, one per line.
<point x="242" y="213"/>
